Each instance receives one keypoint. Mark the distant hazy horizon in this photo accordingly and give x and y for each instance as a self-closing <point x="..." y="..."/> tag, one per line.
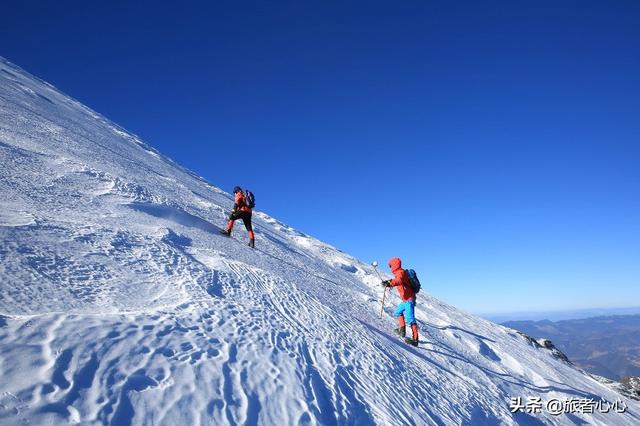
<point x="558" y="315"/>
<point x="606" y="345"/>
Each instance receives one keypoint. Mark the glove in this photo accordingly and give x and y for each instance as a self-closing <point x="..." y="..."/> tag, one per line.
<point x="386" y="283"/>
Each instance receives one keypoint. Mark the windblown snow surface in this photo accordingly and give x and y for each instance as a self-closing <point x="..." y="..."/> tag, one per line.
<point x="121" y="304"/>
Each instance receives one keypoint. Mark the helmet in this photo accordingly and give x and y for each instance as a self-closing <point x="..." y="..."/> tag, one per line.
<point x="237" y="189"/>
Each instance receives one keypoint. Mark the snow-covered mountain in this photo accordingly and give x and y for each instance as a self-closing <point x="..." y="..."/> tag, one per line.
<point x="120" y="303"/>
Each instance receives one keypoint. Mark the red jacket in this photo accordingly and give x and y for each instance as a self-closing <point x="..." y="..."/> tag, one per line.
<point x="401" y="280"/>
<point x="240" y="203"/>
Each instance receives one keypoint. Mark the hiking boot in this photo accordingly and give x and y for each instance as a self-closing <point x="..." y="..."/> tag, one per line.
<point x="411" y="342"/>
<point x="400" y="331"/>
<point x="252" y="243"/>
<point x="225" y="232"/>
<point x="414" y="332"/>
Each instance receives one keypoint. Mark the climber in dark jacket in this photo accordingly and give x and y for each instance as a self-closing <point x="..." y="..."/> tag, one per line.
<point x="241" y="210"/>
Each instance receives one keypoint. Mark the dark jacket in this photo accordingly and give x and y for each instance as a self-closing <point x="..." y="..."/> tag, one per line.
<point x="241" y="203"/>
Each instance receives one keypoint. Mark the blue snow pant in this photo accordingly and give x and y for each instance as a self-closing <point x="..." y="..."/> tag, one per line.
<point x="408" y="310"/>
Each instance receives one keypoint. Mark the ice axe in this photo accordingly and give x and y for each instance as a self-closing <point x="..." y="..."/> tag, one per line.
<point x="384" y="291"/>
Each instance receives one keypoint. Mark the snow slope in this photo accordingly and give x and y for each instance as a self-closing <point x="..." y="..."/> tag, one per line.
<point x="120" y="303"/>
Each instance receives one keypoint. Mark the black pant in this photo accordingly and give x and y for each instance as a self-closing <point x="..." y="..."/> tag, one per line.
<point x="245" y="216"/>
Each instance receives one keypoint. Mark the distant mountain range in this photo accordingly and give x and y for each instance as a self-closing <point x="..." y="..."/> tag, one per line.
<point x="559" y="315"/>
<point x="608" y="346"/>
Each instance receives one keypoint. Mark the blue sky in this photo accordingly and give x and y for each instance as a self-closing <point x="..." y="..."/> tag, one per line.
<point x="494" y="146"/>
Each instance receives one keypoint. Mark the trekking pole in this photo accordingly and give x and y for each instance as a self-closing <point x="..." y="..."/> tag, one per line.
<point x="375" y="268"/>
<point x="384" y="292"/>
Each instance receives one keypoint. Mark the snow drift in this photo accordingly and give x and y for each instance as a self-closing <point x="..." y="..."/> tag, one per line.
<point x="120" y="303"/>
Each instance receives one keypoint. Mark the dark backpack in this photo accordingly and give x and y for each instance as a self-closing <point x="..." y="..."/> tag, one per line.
<point x="249" y="199"/>
<point x="413" y="278"/>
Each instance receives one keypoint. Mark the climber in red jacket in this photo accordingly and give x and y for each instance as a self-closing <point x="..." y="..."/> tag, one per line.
<point x="406" y="309"/>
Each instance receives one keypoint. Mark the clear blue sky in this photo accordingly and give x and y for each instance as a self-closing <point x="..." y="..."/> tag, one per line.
<point x="494" y="146"/>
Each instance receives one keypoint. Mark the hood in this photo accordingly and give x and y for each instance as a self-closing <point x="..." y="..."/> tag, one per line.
<point x="395" y="264"/>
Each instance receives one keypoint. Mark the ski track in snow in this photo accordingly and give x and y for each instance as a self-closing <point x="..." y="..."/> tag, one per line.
<point x="122" y="304"/>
